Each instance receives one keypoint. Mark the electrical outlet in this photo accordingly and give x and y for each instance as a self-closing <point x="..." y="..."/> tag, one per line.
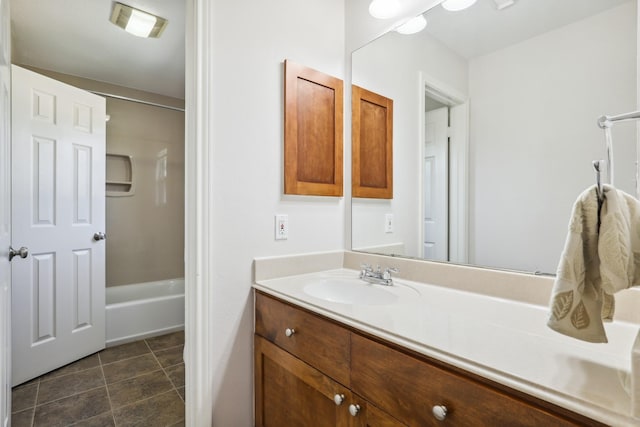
<point x="282" y="227"/>
<point x="388" y="223"/>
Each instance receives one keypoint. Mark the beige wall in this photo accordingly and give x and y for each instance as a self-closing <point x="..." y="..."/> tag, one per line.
<point x="145" y="232"/>
<point x="145" y="237"/>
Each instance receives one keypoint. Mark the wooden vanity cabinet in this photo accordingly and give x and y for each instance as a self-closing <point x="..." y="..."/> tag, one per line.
<point x="409" y="388"/>
<point x="298" y="375"/>
<point x="321" y="343"/>
<point x="290" y="392"/>
<point x="302" y="362"/>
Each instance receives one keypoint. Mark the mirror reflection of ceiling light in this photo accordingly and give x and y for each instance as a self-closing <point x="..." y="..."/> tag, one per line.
<point x="137" y="22"/>
<point x="501" y="4"/>
<point x="456" y="5"/>
<point x="412" y="26"/>
<point x="384" y="9"/>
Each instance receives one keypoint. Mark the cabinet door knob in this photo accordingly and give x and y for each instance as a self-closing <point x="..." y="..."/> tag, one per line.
<point x="338" y="399"/>
<point x="354" y="409"/>
<point x="440" y="412"/>
<point x="289" y="332"/>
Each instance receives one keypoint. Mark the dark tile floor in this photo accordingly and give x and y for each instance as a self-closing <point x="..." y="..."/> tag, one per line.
<point x="135" y="384"/>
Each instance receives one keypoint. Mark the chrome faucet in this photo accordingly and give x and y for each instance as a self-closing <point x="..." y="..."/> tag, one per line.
<point x="379" y="276"/>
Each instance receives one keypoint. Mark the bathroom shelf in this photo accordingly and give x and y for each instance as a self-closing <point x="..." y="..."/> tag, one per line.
<point x="119" y="181"/>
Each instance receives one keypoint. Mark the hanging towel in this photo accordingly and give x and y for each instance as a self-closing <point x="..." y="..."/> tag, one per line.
<point x="595" y="264"/>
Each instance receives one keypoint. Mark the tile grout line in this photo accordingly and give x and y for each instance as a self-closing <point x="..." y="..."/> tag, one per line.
<point x="148" y="398"/>
<point x="125" y="359"/>
<point x="142" y="354"/>
<point x="66" y="397"/>
<point x="139" y="355"/>
<point x="137" y="376"/>
<point x="106" y="386"/>
<point x="35" y="404"/>
<point x="162" y="367"/>
<point x="55" y="377"/>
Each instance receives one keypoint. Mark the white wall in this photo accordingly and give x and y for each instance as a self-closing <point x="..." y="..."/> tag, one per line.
<point x="251" y="40"/>
<point x="549" y="140"/>
<point x="391" y="66"/>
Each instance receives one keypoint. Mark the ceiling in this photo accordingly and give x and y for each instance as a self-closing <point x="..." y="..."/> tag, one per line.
<point x="76" y="37"/>
<point x="482" y="28"/>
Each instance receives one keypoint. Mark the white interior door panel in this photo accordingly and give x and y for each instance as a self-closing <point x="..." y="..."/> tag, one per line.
<point x="58" y="204"/>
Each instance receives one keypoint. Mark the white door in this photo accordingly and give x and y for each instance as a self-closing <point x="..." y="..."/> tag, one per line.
<point x="5" y="215"/>
<point x="458" y="182"/>
<point x="436" y="185"/>
<point x="58" y="206"/>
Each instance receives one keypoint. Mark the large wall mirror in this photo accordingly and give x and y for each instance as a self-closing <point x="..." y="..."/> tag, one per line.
<point x="495" y="130"/>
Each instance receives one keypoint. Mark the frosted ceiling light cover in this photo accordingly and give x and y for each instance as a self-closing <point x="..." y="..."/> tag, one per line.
<point x="384" y="9"/>
<point x="137" y="22"/>
<point x="456" y="5"/>
<point x="140" y="24"/>
<point x="412" y="26"/>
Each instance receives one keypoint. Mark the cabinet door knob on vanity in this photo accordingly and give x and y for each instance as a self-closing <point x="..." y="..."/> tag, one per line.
<point x="440" y="412"/>
<point x="338" y="399"/>
<point x="354" y="409"/>
<point x="289" y="332"/>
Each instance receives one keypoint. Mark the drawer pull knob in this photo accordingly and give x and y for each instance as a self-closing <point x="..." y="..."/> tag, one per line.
<point x="354" y="409"/>
<point x="338" y="399"/>
<point x="440" y="412"/>
<point x="289" y="332"/>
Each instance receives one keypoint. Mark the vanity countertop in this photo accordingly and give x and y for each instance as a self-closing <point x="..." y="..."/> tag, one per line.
<point x="503" y="340"/>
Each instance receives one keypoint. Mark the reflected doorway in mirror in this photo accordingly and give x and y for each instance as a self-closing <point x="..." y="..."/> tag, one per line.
<point x="444" y="194"/>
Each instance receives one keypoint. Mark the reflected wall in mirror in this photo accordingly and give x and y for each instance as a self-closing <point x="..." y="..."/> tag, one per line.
<point x="495" y="128"/>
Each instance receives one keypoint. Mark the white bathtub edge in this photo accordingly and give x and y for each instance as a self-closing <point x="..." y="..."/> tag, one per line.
<point x="136" y="337"/>
<point x="144" y="310"/>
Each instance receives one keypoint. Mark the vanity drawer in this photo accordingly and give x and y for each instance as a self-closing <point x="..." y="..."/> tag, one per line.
<point x="319" y="342"/>
<point x="409" y="388"/>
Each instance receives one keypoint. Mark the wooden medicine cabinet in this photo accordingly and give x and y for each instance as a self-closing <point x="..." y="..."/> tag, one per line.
<point x="313" y="132"/>
<point x="372" y="144"/>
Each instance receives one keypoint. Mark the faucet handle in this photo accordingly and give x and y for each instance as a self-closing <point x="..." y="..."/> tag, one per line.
<point x="366" y="267"/>
<point x="387" y="272"/>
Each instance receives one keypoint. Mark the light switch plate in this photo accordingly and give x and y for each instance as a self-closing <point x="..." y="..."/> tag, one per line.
<point x="388" y="223"/>
<point x="282" y="227"/>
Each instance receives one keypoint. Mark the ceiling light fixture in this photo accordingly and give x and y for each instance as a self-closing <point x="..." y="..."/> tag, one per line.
<point x="137" y="22"/>
<point x="456" y="5"/>
<point x="384" y="9"/>
<point x="412" y="26"/>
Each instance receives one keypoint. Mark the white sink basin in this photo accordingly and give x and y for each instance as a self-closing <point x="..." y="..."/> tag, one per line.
<point x="357" y="292"/>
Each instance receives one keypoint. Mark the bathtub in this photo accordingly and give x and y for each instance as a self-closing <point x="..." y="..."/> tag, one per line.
<point x="142" y="310"/>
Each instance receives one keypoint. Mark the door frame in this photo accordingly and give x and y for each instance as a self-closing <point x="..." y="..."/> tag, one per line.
<point x="198" y="207"/>
<point x="5" y="193"/>
<point x="199" y="350"/>
<point x="458" y="160"/>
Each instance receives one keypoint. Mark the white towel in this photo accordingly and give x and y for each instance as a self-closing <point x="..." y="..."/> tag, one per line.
<point x="594" y="265"/>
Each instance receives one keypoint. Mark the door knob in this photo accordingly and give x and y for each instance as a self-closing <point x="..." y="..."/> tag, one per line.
<point x="23" y="252"/>
<point x="99" y="236"/>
